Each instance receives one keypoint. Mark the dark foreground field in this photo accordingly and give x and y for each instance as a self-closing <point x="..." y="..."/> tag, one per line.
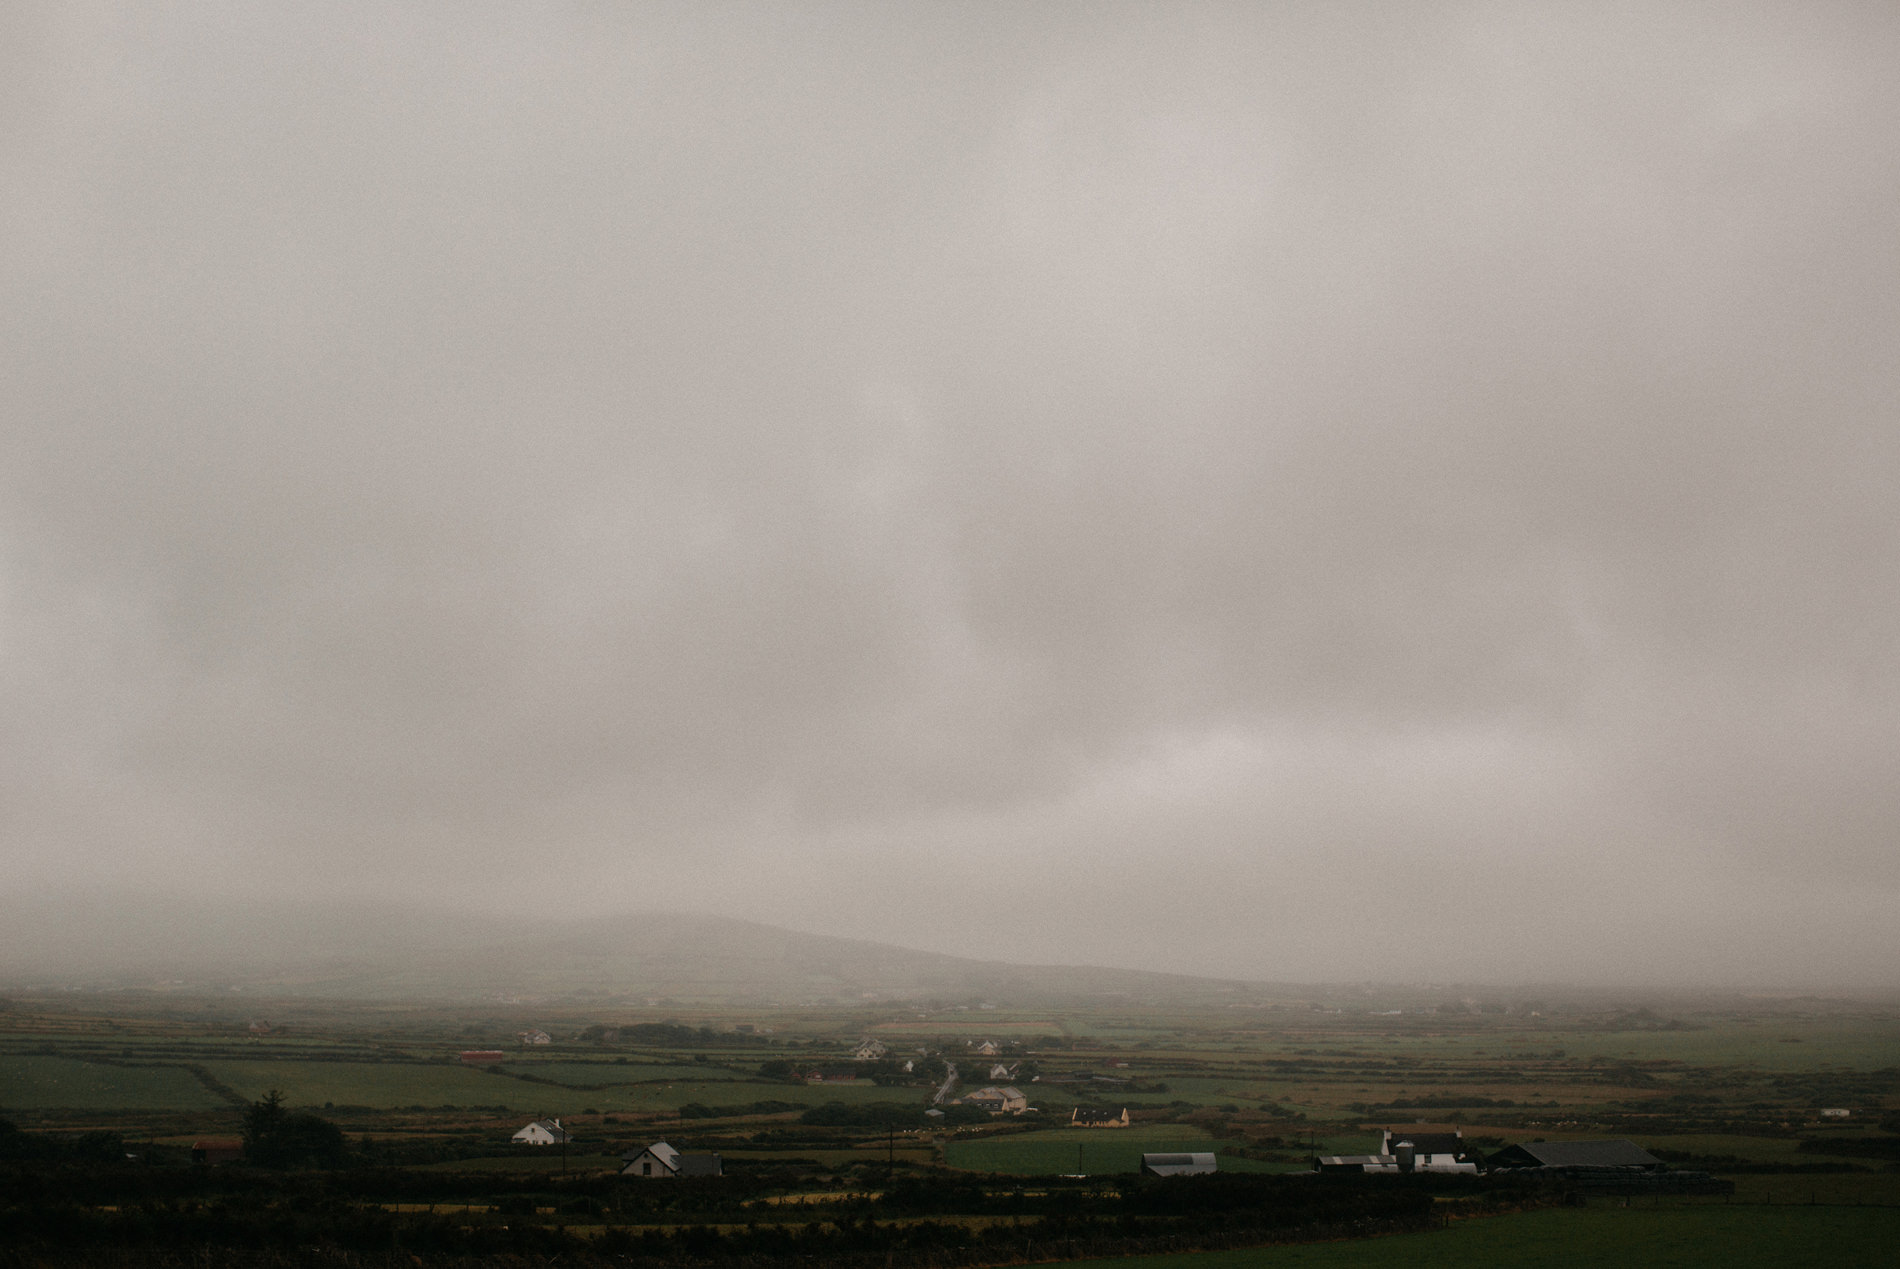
<point x="1667" y="1237"/>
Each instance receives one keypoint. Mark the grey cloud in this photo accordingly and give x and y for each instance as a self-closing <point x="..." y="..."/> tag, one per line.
<point x="677" y="454"/>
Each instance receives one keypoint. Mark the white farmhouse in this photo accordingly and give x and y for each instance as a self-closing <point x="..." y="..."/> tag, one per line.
<point x="660" y="1160"/>
<point x="542" y="1132"/>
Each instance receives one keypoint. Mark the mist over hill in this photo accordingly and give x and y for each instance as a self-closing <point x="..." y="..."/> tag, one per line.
<point x="106" y="939"/>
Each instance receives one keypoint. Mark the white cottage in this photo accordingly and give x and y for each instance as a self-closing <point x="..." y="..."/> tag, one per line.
<point x="660" y="1160"/>
<point x="542" y="1132"/>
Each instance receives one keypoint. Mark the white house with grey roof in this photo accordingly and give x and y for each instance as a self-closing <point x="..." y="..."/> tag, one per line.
<point x="997" y="1101"/>
<point x="660" y="1160"/>
<point x="542" y="1132"/>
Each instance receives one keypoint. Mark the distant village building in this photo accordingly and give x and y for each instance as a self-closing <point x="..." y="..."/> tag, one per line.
<point x="260" y="1027"/>
<point x="213" y="1151"/>
<point x="869" y="1050"/>
<point x="542" y="1132"/>
<point x="1000" y="1072"/>
<point x="831" y="1075"/>
<point x="989" y="1048"/>
<point x="482" y="1057"/>
<point x="536" y="1037"/>
<point x="1198" y="1164"/>
<point x="662" y="1160"/>
<point x="1836" y="1114"/>
<point x="1087" y="1117"/>
<point x="998" y="1101"/>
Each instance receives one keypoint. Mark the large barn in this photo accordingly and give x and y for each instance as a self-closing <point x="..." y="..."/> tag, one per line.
<point x="1614" y="1153"/>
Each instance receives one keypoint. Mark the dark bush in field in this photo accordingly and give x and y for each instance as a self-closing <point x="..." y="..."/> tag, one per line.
<point x="872" y="1115"/>
<point x="84" y="1147"/>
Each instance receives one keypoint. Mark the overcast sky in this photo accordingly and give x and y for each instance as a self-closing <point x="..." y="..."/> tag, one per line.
<point x="1288" y="490"/>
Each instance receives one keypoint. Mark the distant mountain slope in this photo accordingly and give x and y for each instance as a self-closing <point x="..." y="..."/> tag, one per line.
<point x="366" y="950"/>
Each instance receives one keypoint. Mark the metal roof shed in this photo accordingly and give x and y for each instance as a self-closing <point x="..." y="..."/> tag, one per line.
<point x="1200" y="1164"/>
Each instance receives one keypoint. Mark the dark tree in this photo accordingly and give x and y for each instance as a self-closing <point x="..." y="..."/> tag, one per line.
<point x="275" y="1137"/>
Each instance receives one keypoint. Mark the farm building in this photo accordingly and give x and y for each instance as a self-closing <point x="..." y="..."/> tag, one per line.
<point x="989" y="1048"/>
<point x="1354" y="1163"/>
<point x="482" y="1057"/>
<point x="536" y="1037"/>
<point x="869" y="1050"/>
<point x="662" y="1160"/>
<point x="1086" y="1117"/>
<point x="217" y="1150"/>
<point x="998" y="1101"/>
<point x="831" y="1075"/>
<point x="1617" y="1153"/>
<point x="1000" y="1072"/>
<point x="1197" y="1164"/>
<point x="1405" y="1152"/>
<point x="1426" y="1151"/>
<point x="1836" y="1113"/>
<point x="542" y="1132"/>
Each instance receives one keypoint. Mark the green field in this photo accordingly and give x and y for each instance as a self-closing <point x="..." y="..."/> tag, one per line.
<point x="1680" y="1237"/>
<point x="609" y="1073"/>
<point x="396" y="1085"/>
<point x="67" y="1084"/>
<point x="380" y="1085"/>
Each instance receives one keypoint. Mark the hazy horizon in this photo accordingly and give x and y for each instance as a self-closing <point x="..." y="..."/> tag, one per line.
<point x="1300" y="493"/>
<point x="110" y="940"/>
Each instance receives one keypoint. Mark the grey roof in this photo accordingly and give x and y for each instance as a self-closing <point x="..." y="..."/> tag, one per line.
<point x="1198" y="1164"/>
<point x="1619" y="1153"/>
<point x="699" y="1165"/>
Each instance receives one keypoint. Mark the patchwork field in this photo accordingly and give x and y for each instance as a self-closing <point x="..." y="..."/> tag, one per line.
<point x="53" y="1083"/>
<point x="1727" y="1086"/>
